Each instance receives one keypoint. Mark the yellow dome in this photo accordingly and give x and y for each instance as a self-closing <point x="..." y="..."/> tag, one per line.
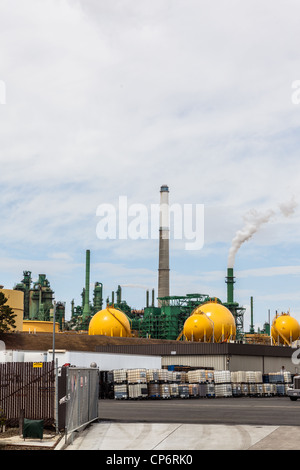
<point x="110" y="322"/>
<point x="198" y="328"/>
<point x="285" y="329"/>
<point x="222" y="318"/>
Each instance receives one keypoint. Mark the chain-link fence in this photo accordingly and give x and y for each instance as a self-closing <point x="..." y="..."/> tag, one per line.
<point x="82" y="392"/>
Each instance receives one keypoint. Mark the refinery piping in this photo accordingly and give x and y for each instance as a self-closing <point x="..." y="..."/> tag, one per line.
<point x="193" y="317"/>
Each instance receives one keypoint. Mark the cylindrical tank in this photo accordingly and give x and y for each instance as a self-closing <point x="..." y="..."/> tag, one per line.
<point x="15" y="299"/>
<point x="222" y="319"/>
<point x="285" y="329"/>
<point x="39" y="326"/>
<point x="198" y="327"/>
<point x="110" y="322"/>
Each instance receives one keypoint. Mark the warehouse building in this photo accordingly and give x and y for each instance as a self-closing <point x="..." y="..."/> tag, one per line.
<point x="217" y="356"/>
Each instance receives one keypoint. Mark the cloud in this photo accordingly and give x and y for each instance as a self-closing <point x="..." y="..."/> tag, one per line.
<point x="110" y="98"/>
<point x="269" y="271"/>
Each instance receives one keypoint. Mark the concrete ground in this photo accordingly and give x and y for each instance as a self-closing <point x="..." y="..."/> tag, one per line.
<point x="180" y="436"/>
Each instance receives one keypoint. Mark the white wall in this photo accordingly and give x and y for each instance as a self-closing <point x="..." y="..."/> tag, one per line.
<point x="84" y="359"/>
<point x="106" y="361"/>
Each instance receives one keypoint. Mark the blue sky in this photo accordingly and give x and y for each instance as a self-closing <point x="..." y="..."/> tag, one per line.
<point x="115" y="98"/>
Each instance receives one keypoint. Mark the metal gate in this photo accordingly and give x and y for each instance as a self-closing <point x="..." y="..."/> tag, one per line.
<point x="82" y="392"/>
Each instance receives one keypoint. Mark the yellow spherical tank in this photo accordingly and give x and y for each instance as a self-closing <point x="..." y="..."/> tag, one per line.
<point x="285" y="329"/>
<point x="222" y="319"/>
<point x="110" y="322"/>
<point x="198" y="328"/>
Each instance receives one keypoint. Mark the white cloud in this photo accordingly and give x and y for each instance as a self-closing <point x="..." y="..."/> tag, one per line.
<point x="109" y="98"/>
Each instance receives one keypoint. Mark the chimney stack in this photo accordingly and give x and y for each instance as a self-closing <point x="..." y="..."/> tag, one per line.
<point x="230" y="280"/>
<point x="86" y="309"/>
<point x="164" y="236"/>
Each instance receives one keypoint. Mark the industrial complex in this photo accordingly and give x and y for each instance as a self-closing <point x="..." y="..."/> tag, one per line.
<point x="196" y="330"/>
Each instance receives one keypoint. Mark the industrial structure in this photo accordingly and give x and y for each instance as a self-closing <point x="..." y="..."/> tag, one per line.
<point x="191" y="318"/>
<point x="164" y="237"/>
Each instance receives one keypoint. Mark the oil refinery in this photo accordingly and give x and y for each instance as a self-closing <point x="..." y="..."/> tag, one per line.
<point x="178" y="321"/>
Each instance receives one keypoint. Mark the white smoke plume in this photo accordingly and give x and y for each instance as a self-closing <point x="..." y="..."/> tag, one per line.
<point x="253" y="220"/>
<point x="288" y="208"/>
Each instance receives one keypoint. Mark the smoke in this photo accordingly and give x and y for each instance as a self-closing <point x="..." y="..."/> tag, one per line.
<point x="253" y="221"/>
<point x="288" y="209"/>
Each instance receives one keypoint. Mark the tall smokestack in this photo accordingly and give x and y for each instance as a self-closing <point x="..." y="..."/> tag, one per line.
<point x="86" y="309"/>
<point x="230" y="280"/>
<point x="164" y="236"/>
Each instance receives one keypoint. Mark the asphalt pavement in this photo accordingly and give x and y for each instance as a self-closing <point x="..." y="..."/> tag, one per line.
<point x="207" y="424"/>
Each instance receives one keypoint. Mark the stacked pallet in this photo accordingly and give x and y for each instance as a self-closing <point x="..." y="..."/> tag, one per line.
<point x="210" y="390"/>
<point x="247" y="383"/>
<point x="250" y="377"/>
<point x="222" y="376"/>
<point x="137" y="391"/>
<point x="183" y="390"/>
<point x="223" y="387"/>
<point x="202" y="390"/>
<point x="287" y="377"/>
<point x="269" y="390"/>
<point x="236" y="389"/>
<point x="184" y="379"/>
<point x="154" y="390"/>
<point x="258" y="377"/>
<point x="163" y="375"/>
<point x="161" y="383"/>
<point x="136" y="376"/>
<point x="174" y="393"/>
<point x="238" y="377"/>
<point x="165" y="390"/>
<point x="120" y="376"/>
<point x="193" y="390"/>
<point x="152" y="376"/>
<point x="120" y="392"/>
<point x="209" y="376"/>
<point x="178" y="377"/>
<point x="196" y="376"/>
<point x="223" y="390"/>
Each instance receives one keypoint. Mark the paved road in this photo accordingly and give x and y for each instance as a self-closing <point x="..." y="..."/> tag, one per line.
<point x="268" y="411"/>
<point x="193" y="424"/>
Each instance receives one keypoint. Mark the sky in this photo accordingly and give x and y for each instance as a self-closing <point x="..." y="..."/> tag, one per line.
<point x="109" y="99"/>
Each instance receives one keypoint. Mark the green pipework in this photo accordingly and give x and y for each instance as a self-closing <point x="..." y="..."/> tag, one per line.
<point x="230" y="280"/>
<point x="153" y="298"/>
<point x="251" y="308"/>
<point x="86" y="309"/>
<point x="119" y="295"/>
<point x="98" y="300"/>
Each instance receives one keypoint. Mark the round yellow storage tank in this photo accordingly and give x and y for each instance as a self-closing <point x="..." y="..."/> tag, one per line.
<point x="15" y="299"/>
<point x="222" y="318"/>
<point x="285" y="329"/>
<point x="198" y="328"/>
<point x="110" y="322"/>
<point x="39" y="326"/>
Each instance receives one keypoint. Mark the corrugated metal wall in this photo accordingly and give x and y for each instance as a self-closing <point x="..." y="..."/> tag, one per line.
<point x="220" y="362"/>
<point x="272" y="364"/>
<point x="231" y="356"/>
<point x="216" y="362"/>
<point x="246" y="363"/>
